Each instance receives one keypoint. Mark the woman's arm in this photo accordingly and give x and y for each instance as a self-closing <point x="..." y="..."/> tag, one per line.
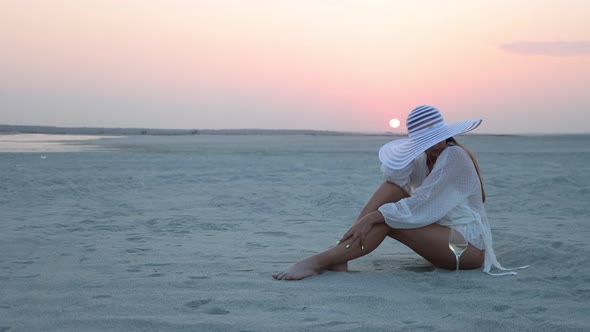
<point x="386" y="193"/>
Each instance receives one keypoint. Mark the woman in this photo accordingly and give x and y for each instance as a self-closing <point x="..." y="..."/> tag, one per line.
<point x="432" y="184"/>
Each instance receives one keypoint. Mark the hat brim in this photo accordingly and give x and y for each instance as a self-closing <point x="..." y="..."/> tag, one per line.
<point x="399" y="153"/>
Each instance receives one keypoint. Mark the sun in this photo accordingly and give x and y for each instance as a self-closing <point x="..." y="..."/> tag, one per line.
<point x="394" y="123"/>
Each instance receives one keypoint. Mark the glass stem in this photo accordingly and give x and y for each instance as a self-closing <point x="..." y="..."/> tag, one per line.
<point x="457" y="269"/>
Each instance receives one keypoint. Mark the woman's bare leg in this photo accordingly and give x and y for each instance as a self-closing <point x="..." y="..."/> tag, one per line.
<point x="336" y="255"/>
<point x="432" y="243"/>
<point x="386" y="193"/>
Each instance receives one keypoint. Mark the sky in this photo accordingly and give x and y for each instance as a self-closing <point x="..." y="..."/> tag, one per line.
<point x="344" y="65"/>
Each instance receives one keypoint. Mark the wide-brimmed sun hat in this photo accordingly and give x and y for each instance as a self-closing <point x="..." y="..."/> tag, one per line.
<point x="426" y="127"/>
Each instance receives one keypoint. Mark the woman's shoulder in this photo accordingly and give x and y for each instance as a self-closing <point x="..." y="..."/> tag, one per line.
<point x="457" y="151"/>
<point x="456" y="154"/>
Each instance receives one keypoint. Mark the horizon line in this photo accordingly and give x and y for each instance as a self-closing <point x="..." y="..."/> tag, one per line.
<point x="43" y="129"/>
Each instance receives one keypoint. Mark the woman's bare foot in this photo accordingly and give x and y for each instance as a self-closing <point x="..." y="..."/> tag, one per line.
<point x="300" y="270"/>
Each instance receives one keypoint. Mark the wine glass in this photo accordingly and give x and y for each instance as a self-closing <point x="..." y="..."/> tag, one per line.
<point x="457" y="244"/>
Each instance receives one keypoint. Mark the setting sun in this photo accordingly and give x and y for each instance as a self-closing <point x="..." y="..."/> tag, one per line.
<point x="394" y="123"/>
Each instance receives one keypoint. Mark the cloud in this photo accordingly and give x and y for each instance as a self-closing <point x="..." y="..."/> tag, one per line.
<point x="558" y="48"/>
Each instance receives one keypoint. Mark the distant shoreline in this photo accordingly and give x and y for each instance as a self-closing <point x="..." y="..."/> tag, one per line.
<point x="23" y="129"/>
<point x="100" y="131"/>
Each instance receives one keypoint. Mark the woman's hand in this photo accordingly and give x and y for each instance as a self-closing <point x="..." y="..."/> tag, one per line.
<point x="361" y="228"/>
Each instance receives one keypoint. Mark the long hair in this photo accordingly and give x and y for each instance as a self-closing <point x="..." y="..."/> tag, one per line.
<point x="453" y="141"/>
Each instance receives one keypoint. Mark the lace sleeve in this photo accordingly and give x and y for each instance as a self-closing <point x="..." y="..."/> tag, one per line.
<point x="452" y="180"/>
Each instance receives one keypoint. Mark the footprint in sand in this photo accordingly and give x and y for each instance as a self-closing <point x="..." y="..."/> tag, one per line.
<point x="272" y="233"/>
<point x="255" y="245"/>
<point x="419" y="269"/>
<point x="194" y="280"/>
<point x="217" y="311"/>
<point x="102" y="297"/>
<point x="138" y="239"/>
<point x="501" y="307"/>
<point x="197" y="303"/>
<point x="137" y="250"/>
<point x="157" y="275"/>
<point x="212" y="311"/>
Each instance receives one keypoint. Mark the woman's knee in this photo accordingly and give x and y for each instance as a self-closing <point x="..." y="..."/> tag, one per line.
<point x="472" y="258"/>
<point x="394" y="190"/>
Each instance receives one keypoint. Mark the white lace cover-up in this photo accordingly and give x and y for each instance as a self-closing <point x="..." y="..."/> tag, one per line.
<point x="450" y="196"/>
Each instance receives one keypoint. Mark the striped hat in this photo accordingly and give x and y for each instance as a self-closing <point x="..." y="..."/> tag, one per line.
<point x="426" y="128"/>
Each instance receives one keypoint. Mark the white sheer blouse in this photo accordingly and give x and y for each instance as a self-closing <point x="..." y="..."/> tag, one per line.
<point x="450" y="196"/>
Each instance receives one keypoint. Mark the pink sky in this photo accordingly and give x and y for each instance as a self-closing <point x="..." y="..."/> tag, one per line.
<point x="328" y="65"/>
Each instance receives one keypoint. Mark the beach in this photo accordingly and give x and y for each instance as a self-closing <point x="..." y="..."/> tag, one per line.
<point x="182" y="233"/>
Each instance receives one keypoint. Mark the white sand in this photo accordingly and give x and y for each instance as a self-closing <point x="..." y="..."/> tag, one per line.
<point x="183" y="233"/>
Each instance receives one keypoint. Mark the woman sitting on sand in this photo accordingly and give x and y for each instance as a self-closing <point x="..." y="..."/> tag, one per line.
<point x="432" y="184"/>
